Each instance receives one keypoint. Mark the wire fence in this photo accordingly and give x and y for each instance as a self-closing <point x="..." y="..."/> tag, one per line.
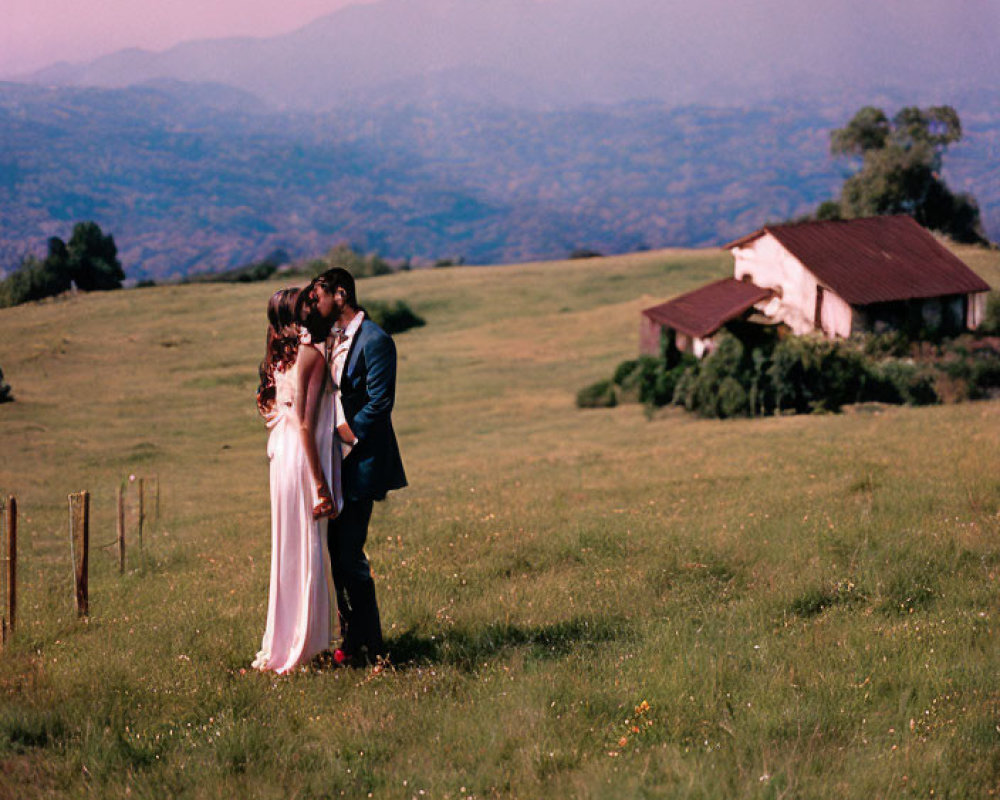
<point x="131" y="491"/>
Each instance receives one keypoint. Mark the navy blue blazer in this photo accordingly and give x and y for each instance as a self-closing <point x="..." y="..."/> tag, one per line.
<point x="368" y="391"/>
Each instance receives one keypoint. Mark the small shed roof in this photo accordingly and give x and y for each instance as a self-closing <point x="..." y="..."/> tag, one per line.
<point x="702" y="312"/>
<point x="874" y="259"/>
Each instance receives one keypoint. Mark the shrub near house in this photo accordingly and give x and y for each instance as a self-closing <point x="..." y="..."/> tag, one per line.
<point x="808" y="374"/>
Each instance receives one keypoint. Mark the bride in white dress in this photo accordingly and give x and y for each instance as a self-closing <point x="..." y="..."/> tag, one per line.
<point x="297" y="402"/>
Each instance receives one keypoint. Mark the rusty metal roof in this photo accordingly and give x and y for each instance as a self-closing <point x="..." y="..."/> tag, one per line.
<point x="705" y="310"/>
<point x="874" y="259"/>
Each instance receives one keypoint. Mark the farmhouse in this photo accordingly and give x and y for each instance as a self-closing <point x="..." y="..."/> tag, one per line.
<point x="839" y="277"/>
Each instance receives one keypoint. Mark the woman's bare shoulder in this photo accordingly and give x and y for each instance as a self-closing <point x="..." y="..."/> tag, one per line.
<point x="309" y="352"/>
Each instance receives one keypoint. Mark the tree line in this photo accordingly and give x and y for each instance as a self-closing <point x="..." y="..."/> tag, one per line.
<point x="88" y="261"/>
<point x="897" y="170"/>
<point x="613" y="179"/>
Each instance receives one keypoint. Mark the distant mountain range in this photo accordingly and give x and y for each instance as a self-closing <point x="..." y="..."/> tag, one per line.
<point x="493" y="130"/>
<point x="563" y="53"/>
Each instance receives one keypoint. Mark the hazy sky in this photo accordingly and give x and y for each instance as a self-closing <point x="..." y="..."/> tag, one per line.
<point x="36" y="33"/>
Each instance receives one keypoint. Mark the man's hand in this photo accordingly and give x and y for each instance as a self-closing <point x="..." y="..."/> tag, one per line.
<point x="346" y="434"/>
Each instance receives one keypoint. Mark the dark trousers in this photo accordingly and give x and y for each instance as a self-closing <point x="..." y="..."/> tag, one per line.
<point x="360" y="626"/>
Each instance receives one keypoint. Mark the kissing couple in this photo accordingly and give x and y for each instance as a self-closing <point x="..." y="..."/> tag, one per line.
<point x="327" y="388"/>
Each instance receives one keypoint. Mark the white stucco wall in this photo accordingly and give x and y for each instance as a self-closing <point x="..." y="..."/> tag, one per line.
<point x="836" y="315"/>
<point x="976" y="310"/>
<point x="771" y="266"/>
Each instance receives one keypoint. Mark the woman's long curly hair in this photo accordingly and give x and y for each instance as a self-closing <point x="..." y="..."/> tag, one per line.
<point x="282" y="347"/>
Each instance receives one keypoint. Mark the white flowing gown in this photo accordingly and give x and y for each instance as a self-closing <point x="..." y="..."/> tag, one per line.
<point x="299" y="618"/>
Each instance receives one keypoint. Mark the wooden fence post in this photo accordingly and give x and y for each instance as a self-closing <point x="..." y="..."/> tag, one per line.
<point x="11" y="562"/>
<point x="79" y="536"/>
<point x="121" y="529"/>
<point x="10" y="570"/>
<point x="142" y="510"/>
<point x="156" y="512"/>
<point x="3" y="577"/>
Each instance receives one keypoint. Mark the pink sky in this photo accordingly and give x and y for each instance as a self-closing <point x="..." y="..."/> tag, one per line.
<point x="36" y="33"/>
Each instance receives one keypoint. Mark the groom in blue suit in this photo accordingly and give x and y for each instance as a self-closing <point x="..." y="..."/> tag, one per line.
<point x="371" y="469"/>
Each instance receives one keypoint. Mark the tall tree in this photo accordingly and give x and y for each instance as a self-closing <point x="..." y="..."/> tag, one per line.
<point x="93" y="258"/>
<point x="899" y="170"/>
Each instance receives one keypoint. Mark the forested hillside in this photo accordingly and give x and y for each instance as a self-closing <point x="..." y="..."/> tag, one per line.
<point x="194" y="178"/>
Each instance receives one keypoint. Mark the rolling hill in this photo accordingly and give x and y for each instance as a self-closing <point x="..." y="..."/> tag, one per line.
<point x="577" y="604"/>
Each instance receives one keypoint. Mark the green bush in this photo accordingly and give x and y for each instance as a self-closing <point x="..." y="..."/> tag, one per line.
<point x="732" y="399"/>
<point x="625" y="371"/>
<point x="259" y="271"/>
<point x="393" y="317"/>
<point x="33" y="281"/>
<point x="894" y="344"/>
<point x="974" y="365"/>
<point x="913" y="383"/>
<point x="684" y="388"/>
<point x="663" y="388"/>
<point x="717" y="386"/>
<point x="248" y="273"/>
<point x="757" y="373"/>
<point x="721" y="369"/>
<point x="985" y="379"/>
<point x="649" y="380"/>
<point x="360" y="265"/>
<point x="636" y="378"/>
<point x="810" y="373"/>
<point x="6" y="395"/>
<point x="597" y="395"/>
<point x="991" y="319"/>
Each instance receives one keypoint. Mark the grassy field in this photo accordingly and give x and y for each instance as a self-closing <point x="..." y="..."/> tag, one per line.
<point x="588" y="604"/>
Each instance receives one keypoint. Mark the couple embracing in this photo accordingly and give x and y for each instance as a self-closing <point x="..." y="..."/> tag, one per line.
<point x="327" y="387"/>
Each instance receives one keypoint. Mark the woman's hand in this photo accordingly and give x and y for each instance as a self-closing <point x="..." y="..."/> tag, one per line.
<point x="325" y="507"/>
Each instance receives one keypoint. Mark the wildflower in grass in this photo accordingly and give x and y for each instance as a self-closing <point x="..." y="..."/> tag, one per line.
<point x="632" y="728"/>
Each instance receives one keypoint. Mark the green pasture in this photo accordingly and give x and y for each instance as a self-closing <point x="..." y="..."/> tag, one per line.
<point x="592" y="604"/>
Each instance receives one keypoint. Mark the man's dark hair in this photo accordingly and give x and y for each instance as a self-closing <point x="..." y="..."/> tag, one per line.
<point x="339" y="278"/>
<point x="309" y="318"/>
